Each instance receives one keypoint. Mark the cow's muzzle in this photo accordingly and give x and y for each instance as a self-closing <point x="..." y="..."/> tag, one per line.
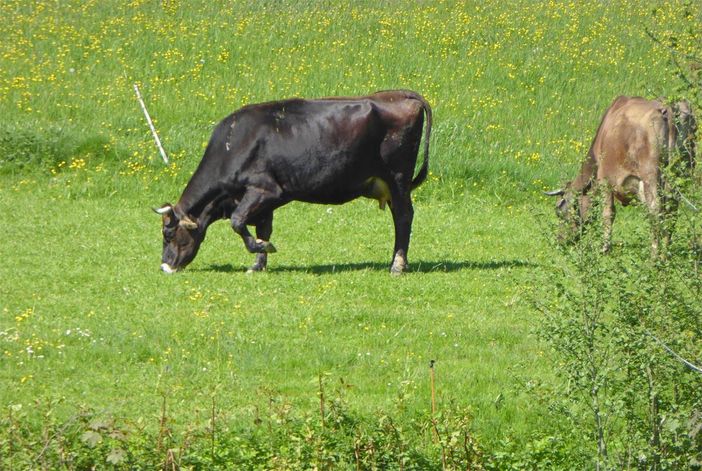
<point x="166" y="268"/>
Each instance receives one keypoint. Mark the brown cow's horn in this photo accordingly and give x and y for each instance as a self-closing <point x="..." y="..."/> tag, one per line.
<point x="188" y="223"/>
<point x="560" y="192"/>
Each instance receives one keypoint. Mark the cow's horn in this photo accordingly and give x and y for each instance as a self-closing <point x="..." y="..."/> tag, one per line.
<point x="187" y="223"/>
<point x="165" y="209"/>
<point x="560" y="192"/>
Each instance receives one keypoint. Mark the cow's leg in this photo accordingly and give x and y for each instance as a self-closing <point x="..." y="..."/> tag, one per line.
<point x="648" y="194"/>
<point x="663" y="206"/>
<point x="402" y="215"/>
<point x="669" y="211"/>
<point x="608" y="214"/>
<point x="253" y="204"/>
<point x="264" y="229"/>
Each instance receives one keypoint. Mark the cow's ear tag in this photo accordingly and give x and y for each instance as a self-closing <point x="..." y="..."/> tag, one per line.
<point x="188" y="223"/>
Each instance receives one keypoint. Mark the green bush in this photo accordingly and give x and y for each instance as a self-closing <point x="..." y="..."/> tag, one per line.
<point x="33" y="148"/>
<point x="284" y="438"/>
<point x="618" y="325"/>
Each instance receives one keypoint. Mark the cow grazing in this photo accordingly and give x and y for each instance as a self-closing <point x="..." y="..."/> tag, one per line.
<point x="328" y="151"/>
<point x="637" y="142"/>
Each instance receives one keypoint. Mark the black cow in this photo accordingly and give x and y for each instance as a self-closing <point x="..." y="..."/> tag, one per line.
<point x="327" y="151"/>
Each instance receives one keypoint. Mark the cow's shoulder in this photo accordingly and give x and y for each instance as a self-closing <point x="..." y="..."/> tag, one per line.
<point x="648" y="115"/>
<point x="632" y="112"/>
<point x="278" y="115"/>
<point x="622" y="104"/>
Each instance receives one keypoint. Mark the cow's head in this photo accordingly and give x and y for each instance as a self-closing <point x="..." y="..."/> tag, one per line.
<point x="686" y="127"/>
<point x="572" y="209"/>
<point x="181" y="239"/>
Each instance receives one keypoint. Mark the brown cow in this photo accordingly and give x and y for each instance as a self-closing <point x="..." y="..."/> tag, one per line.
<point x="636" y="141"/>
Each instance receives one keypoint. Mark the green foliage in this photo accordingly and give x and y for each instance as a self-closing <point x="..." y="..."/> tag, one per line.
<point x="21" y="147"/>
<point x="28" y="149"/>
<point x="612" y="321"/>
<point x="561" y="450"/>
<point x="684" y="49"/>
<point x="517" y="90"/>
<point x="283" y="438"/>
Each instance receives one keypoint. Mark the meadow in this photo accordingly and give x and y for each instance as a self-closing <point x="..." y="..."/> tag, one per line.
<point x="88" y="323"/>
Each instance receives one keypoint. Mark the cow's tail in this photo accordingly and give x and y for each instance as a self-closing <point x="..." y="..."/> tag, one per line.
<point x="424" y="170"/>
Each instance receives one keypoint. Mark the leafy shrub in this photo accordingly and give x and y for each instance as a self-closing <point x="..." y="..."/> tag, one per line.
<point x="619" y="326"/>
<point x="25" y="148"/>
<point x="282" y="439"/>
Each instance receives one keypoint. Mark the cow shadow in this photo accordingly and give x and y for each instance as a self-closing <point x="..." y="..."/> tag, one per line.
<point x="420" y="266"/>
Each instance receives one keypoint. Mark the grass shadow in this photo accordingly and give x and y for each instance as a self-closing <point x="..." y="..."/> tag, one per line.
<point x="421" y="266"/>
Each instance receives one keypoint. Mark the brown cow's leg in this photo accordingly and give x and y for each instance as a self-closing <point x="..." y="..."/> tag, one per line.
<point x="264" y="229"/>
<point x="669" y="210"/>
<point x="252" y="204"/>
<point x="608" y="214"/>
<point x="653" y="203"/>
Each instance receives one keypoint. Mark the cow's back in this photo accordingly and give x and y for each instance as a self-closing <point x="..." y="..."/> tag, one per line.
<point x="323" y="150"/>
<point x="630" y="142"/>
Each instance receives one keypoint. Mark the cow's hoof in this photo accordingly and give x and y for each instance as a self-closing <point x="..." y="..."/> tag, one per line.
<point x="263" y="246"/>
<point x="397" y="271"/>
<point x="399" y="264"/>
<point x="255" y="269"/>
<point x="167" y="269"/>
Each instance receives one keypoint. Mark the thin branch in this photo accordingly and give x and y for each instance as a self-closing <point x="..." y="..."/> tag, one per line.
<point x="675" y="355"/>
<point x="670" y="48"/>
<point x="673" y="53"/>
<point x="689" y="203"/>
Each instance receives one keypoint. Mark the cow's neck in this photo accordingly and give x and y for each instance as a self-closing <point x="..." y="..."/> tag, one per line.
<point x="204" y="206"/>
<point x="588" y="172"/>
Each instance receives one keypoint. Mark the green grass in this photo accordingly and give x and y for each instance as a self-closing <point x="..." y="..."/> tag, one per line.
<point x="106" y="322"/>
<point x="517" y="90"/>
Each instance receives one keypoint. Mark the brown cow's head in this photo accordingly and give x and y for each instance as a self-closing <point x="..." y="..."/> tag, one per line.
<point x="181" y="239"/>
<point x="686" y="127"/>
<point x="572" y="209"/>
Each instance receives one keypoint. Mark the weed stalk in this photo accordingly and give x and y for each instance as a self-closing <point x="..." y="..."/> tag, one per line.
<point x="162" y="426"/>
<point x="321" y="399"/>
<point x="212" y="429"/>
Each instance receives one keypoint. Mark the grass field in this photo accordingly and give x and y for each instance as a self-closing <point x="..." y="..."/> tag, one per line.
<point x="93" y="304"/>
<point x="86" y="319"/>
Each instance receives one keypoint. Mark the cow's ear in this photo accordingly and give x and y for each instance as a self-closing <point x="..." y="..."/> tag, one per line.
<point x="187" y="223"/>
<point x="683" y="111"/>
<point x="164" y="210"/>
